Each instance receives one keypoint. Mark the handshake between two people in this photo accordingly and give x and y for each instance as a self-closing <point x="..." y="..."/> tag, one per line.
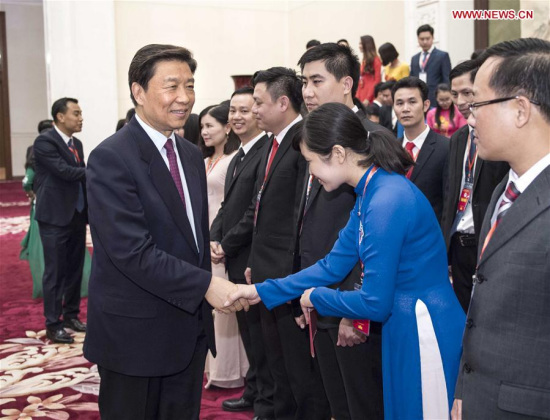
<point x="227" y="297"/>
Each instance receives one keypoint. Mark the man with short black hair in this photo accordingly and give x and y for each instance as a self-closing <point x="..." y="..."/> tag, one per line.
<point x="61" y="213"/>
<point x="429" y="150"/>
<point x="231" y="239"/>
<point x="272" y="217"/>
<point x="151" y="292"/>
<point x="350" y="363"/>
<point x="431" y="65"/>
<point x="471" y="182"/>
<point x="504" y="371"/>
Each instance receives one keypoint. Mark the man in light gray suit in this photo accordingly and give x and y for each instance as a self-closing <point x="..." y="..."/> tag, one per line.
<point x="505" y="366"/>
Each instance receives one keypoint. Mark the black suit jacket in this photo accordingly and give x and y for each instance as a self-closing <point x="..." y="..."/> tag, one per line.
<point x="322" y="217"/>
<point x="385" y="119"/>
<point x="274" y="236"/>
<point x="230" y="227"/>
<point x="57" y="180"/>
<point x="487" y="176"/>
<point x="430" y="172"/>
<point x="437" y="70"/>
<point x="146" y="304"/>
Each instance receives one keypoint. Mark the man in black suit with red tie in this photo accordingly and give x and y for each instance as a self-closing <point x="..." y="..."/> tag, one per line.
<point x="231" y="237"/>
<point x="350" y="363"/>
<point x="61" y="212"/>
<point x="429" y="150"/>
<point x="272" y="216"/>
<point x="151" y="290"/>
<point x="470" y="184"/>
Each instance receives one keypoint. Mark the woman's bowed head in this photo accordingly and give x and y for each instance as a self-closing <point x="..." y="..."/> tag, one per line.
<point x="339" y="150"/>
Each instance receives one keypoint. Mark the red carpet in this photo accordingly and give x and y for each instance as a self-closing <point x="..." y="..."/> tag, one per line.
<point x="38" y="378"/>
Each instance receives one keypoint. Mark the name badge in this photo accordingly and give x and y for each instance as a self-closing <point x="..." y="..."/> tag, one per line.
<point x="465" y="196"/>
<point x="423" y="76"/>
<point x="361" y="325"/>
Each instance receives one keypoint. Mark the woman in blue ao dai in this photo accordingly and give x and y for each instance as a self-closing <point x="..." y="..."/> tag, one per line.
<point x="395" y="234"/>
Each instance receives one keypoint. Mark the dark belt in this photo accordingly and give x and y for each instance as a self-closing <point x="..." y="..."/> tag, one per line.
<point x="466" y="239"/>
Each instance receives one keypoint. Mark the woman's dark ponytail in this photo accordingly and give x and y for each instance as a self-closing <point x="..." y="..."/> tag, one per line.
<point x="336" y="124"/>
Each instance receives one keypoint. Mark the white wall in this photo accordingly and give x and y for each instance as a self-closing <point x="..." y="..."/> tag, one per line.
<point x="81" y="63"/>
<point x="27" y="75"/>
<point x="329" y="21"/>
<point x="89" y="45"/>
<point x="226" y="38"/>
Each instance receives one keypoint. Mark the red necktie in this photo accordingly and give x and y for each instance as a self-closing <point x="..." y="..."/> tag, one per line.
<point x="73" y="150"/>
<point x="274" y="149"/>
<point x="410" y="146"/>
<point x="174" y="170"/>
<point x="510" y="195"/>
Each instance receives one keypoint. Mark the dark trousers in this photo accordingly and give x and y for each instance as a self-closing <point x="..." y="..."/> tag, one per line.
<point x="259" y="383"/>
<point x="174" y="397"/>
<point x="64" y="249"/>
<point x="299" y="392"/>
<point x="463" y="266"/>
<point x="352" y="376"/>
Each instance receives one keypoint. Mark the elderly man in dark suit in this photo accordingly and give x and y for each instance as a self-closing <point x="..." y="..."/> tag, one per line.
<point x="231" y="238"/>
<point x="61" y="214"/>
<point x="429" y="150"/>
<point x="151" y="290"/>
<point x="505" y="366"/>
<point x="432" y="65"/>
<point x="470" y="184"/>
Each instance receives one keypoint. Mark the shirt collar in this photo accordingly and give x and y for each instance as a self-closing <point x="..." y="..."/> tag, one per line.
<point x="246" y="148"/>
<point x="65" y="137"/>
<point x="431" y="50"/>
<point x="355" y="108"/>
<point x="525" y="180"/>
<point x="419" y="141"/>
<point x="283" y="132"/>
<point x="156" y="136"/>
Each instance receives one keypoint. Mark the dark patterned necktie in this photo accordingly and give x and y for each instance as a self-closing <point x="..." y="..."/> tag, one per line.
<point x="80" y="199"/>
<point x="174" y="171"/>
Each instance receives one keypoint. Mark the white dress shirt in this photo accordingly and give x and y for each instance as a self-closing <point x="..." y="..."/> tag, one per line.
<point x="159" y="140"/>
<point x="418" y="142"/>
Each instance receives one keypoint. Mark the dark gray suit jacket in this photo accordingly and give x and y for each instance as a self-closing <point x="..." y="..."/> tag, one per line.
<point x="505" y="366"/>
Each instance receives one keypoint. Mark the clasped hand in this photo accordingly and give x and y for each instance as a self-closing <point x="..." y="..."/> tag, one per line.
<point x="217" y="295"/>
<point x="217" y="253"/>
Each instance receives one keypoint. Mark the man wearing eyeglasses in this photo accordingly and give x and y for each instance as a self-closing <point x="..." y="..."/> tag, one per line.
<point x="504" y="371"/>
<point x="471" y="182"/>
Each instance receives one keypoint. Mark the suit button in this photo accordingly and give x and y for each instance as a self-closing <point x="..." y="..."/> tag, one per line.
<point x="481" y="278"/>
<point x="470" y="323"/>
<point x="467" y="368"/>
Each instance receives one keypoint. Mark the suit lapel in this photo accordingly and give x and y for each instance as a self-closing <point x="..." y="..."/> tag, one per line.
<point x="67" y="154"/>
<point x="164" y="184"/>
<point x="315" y="188"/>
<point x="194" y="186"/>
<point x="534" y="200"/>
<point x="246" y="160"/>
<point x="283" y="148"/>
<point x="423" y="156"/>
<point x="230" y="170"/>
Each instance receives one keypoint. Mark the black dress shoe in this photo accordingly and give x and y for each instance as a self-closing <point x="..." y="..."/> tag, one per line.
<point x="59" y="336"/>
<point x="237" y="404"/>
<point x="75" y="325"/>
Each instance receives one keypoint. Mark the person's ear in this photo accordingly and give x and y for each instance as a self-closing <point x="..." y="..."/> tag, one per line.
<point x="348" y="84"/>
<point x="138" y="93"/>
<point x="427" y="104"/>
<point x="522" y="111"/>
<point x="338" y="153"/>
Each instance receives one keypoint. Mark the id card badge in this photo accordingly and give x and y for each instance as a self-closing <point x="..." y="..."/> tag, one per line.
<point x="423" y="76"/>
<point x="465" y="196"/>
<point x="361" y="325"/>
<point x="257" y="209"/>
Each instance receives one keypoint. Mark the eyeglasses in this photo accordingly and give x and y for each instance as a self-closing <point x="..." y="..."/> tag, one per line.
<point x="474" y="106"/>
